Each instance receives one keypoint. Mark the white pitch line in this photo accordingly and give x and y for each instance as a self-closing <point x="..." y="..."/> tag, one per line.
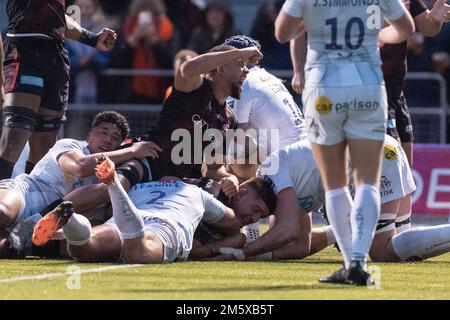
<point x="56" y="275"/>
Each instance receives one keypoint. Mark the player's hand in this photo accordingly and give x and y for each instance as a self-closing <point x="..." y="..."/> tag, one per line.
<point x="145" y="149"/>
<point x="106" y="39"/>
<point x="440" y="11"/>
<point x="298" y="81"/>
<point x="251" y="55"/>
<point x="229" y="185"/>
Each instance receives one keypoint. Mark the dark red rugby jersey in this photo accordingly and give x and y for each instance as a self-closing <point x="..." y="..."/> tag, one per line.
<point x="393" y="56"/>
<point x="182" y="111"/>
<point x="37" y="16"/>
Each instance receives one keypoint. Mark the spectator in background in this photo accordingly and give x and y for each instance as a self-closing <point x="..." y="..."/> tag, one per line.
<point x="186" y="16"/>
<point x="179" y="58"/>
<point x="86" y="62"/>
<point x="217" y="25"/>
<point x="148" y="33"/>
<point x="276" y="55"/>
<point x="417" y="57"/>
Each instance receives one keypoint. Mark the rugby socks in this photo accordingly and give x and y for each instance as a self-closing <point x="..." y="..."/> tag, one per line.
<point x="403" y="223"/>
<point x="126" y="215"/>
<point x="364" y="219"/>
<point x="339" y="205"/>
<point x="422" y="242"/>
<point x="251" y="232"/>
<point x="77" y="230"/>
<point x="6" y="169"/>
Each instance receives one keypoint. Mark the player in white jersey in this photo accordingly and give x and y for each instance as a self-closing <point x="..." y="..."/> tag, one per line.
<point x="266" y="105"/>
<point x="69" y="165"/>
<point x="392" y="242"/>
<point x="154" y="223"/>
<point x="345" y="105"/>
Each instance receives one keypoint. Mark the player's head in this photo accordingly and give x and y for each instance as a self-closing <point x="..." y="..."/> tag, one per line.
<point x="241" y="42"/>
<point x="107" y="131"/>
<point x="255" y="200"/>
<point x="232" y="75"/>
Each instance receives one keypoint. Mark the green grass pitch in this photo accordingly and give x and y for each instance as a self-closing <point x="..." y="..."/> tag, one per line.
<point x="221" y="280"/>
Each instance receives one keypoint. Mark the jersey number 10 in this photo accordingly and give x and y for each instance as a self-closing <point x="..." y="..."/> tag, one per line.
<point x="348" y="28"/>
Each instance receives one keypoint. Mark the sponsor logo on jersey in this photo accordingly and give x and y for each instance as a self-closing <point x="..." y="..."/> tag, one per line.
<point x="390" y="152"/>
<point x="323" y="105"/>
<point x="385" y="186"/>
<point x="357" y="105"/>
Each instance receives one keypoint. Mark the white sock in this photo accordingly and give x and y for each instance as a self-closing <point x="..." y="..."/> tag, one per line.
<point x="364" y="219"/>
<point x="251" y="232"/>
<point x="77" y="230"/>
<point x="403" y="223"/>
<point x="330" y="235"/>
<point x="127" y="217"/>
<point x="338" y="204"/>
<point x="423" y="242"/>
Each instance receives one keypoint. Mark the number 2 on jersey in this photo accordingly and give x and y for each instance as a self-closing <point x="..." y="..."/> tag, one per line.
<point x="348" y="28"/>
<point x="158" y="195"/>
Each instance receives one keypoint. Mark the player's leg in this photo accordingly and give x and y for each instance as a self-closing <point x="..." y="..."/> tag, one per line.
<point x="10" y="204"/>
<point x="332" y="163"/>
<point x="19" y="115"/>
<point x="143" y="249"/>
<point x="403" y="219"/>
<point x="101" y="244"/>
<point x="381" y="249"/>
<point x="46" y="129"/>
<point x="321" y="238"/>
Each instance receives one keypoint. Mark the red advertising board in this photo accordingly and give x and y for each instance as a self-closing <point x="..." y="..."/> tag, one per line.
<point x="431" y="172"/>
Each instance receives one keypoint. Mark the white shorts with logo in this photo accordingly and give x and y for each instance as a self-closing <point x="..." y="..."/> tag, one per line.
<point x="334" y="114"/>
<point x="396" y="177"/>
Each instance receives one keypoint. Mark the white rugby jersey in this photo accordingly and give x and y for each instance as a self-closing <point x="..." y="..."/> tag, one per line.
<point x="48" y="182"/>
<point x="341" y="32"/>
<point x="173" y="210"/>
<point x="297" y="169"/>
<point x="266" y="104"/>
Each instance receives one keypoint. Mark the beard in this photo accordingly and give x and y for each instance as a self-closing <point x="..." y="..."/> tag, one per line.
<point x="235" y="91"/>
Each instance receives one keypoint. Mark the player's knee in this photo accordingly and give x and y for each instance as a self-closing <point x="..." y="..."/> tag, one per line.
<point x="19" y="118"/>
<point x="48" y="123"/>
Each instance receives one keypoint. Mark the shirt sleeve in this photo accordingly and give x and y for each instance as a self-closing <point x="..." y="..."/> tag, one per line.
<point x="214" y="209"/>
<point x="293" y="8"/>
<point x="65" y="145"/>
<point x="275" y="171"/>
<point x="393" y="9"/>
<point x="417" y="7"/>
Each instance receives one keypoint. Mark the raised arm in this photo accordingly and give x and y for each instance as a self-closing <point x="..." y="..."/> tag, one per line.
<point x="188" y="77"/>
<point x="80" y="165"/>
<point x="104" y="40"/>
<point x="430" y="22"/>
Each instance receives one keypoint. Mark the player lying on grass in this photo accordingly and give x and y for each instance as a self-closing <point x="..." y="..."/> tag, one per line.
<point x="299" y="190"/>
<point x="155" y="223"/>
<point x="69" y="165"/>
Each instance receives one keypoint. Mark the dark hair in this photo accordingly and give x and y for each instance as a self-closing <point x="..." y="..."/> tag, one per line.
<point x="222" y="48"/>
<point x="115" y="118"/>
<point x="265" y="191"/>
<point x="241" y="41"/>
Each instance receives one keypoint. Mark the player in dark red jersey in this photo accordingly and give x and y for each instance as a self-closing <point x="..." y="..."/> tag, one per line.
<point x="197" y="103"/>
<point x="36" y="70"/>
<point x="429" y="22"/>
